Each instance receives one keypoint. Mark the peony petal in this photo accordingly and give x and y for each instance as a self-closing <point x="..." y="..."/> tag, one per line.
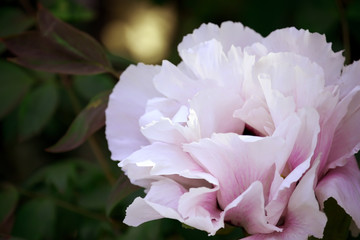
<point x="343" y="184"/>
<point x="228" y="34"/>
<point x="126" y="104"/>
<point x="350" y="78"/>
<point x="199" y="209"/>
<point x="162" y="159"/>
<point x="346" y="140"/>
<point x="206" y="61"/>
<point x="174" y="84"/>
<point x="248" y="211"/>
<point x="303" y="217"/>
<point x="255" y="114"/>
<point x="211" y="111"/>
<point x="161" y="201"/>
<point x="241" y="161"/>
<point x="310" y="45"/>
<point x="292" y="75"/>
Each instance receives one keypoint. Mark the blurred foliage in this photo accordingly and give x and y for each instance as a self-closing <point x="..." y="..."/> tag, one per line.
<point x="81" y="194"/>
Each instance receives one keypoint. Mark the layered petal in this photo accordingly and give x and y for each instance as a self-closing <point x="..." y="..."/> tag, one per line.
<point x="343" y="184"/>
<point x="303" y="218"/>
<point x="162" y="159"/>
<point x="241" y="162"/>
<point x="127" y="103"/>
<point x="310" y="45"/>
<point x="228" y="34"/>
<point x="161" y="201"/>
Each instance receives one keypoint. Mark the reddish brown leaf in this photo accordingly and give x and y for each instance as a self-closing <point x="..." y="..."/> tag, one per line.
<point x="58" y="48"/>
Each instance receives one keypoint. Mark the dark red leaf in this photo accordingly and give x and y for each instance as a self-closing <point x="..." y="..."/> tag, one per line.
<point x="58" y="48"/>
<point x="77" y="41"/>
<point x="89" y="120"/>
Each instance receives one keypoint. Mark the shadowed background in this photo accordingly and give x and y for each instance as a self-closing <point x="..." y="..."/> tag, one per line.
<point x="76" y="194"/>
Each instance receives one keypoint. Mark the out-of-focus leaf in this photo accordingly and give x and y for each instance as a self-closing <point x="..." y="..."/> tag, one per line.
<point x="14" y="84"/>
<point x="149" y="231"/>
<point x="35" y="220"/>
<point x="60" y="174"/>
<point x="89" y="86"/>
<point x="41" y="53"/>
<point x="58" y="48"/>
<point x="120" y="190"/>
<point x="95" y="198"/>
<point x="74" y="40"/>
<point x="13" y="21"/>
<point x="67" y="173"/>
<point x="337" y="226"/>
<point x="89" y="120"/>
<point x="36" y="109"/>
<point x="8" y="201"/>
<point x="69" y="10"/>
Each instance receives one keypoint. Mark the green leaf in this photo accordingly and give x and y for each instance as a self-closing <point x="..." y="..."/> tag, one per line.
<point x="8" y="201"/>
<point x="19" y="21"/>
<point x="120" y="191"/>
<point x="337" y="226"/>
<point x="89" y="86"/>
<point x="14" y="84"/>
<point x="70" y="10"/>
<point x="89" y="120"/>
<point x="149" y="231"/>
<point x="60" y="174"/>
<point x="35" y="220"/>
<point x="36" y="109"/>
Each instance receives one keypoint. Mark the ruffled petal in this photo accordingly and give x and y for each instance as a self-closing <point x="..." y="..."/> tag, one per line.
<point x="303" y="217"/>
<point x="212" y="107"/>
<point x="153" y="161"/>
<point x="199" y="209"/>
<point x="349" y="78"/>
<point x="247" y="210"/>
<point x="174" y="84"/>
<point x="310" y="45"/>
<point x="241" y="162"/>
<point x="291" y="75"/>
<point x="127" y="103"/>
<point x="161" y="201"/>
<point x="343" y="184"/>
<point x="346" y="141"/>
<point x="228" y="34"/>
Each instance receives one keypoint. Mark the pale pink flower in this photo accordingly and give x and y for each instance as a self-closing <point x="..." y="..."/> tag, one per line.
<point x="256" y="132"/>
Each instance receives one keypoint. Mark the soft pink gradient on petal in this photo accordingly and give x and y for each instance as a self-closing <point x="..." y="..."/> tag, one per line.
<point x="199" y="209"/>
<point x="161" y="201"/>
<point x="346" y="140"/>
<point x="211" y="111"/>
<point x="133" y="90"/>
<point x="174" y="84"/>
<point x="228" y="34"/>
<point x="343" y="184"/>
<point x="162" y="159"/>
<point x="310" y="45"/>
<point x="248" y="210"/>
<point x="303" y="218"/>
<point x="349" y="79"/>
<point x="241" y="162"/>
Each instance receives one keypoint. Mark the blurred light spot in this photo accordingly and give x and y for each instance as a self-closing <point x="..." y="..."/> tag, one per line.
<point x="144" y="34"/>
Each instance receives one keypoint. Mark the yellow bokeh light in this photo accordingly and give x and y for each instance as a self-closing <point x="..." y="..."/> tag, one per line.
<point x="144" y="34"/>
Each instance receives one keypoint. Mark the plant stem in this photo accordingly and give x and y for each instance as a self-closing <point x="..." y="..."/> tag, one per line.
<point x="101" y="159"/>
<point x="91" y="140"/>
<point x="345" y="31"/>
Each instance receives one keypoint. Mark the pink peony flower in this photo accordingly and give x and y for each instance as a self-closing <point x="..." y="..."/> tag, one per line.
<point x="256" y="132"/>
